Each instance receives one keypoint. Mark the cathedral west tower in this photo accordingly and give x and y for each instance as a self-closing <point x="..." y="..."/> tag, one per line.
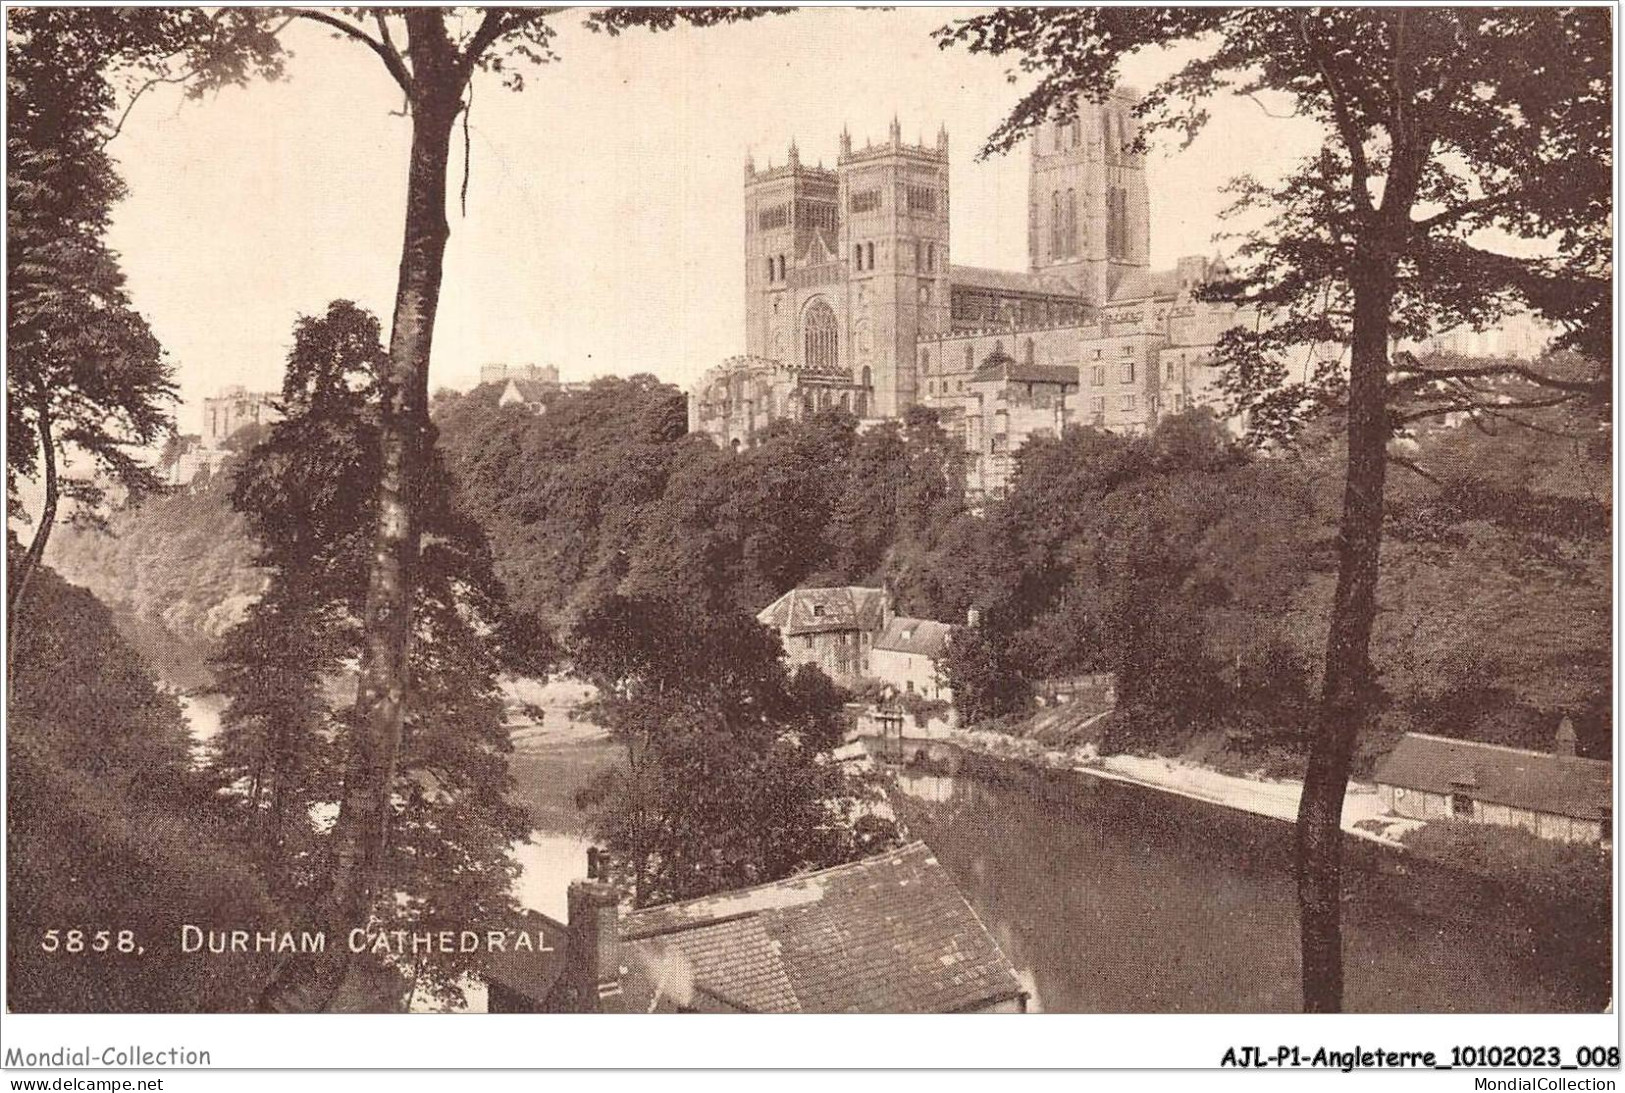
<point x="894" y="237"/>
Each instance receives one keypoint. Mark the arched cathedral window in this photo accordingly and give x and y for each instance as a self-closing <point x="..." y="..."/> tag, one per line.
<point x="1055" y="242"/>
<point x="869" y="253"/>
<point x="1071" y="226"/>
<point x="1117" y="222"/>
<point x="820" y="340"/>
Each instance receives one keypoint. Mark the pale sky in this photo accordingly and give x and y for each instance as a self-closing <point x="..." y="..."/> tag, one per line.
<point x="604" y="231"/>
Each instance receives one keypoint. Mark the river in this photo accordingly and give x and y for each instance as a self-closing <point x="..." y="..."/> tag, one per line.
<point x="1114" y="898"/>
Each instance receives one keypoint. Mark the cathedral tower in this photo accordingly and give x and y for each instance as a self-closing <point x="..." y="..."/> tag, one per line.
<point x="894" y="242"/>
<point x="792" y="225"/>
<point x="1088" y="216"/>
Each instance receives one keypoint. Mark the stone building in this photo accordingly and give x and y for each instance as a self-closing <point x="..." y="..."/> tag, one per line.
<point x="236" y="408"/>
<point x="832" y="629"/>
<point x="908" y="654"/>
<point x="852" y="300"/>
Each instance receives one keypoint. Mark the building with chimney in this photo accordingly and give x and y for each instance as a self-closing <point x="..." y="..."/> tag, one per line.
<point x="1556" y="795"/>
<point x="890" y="933"/>
<point x="852" y="299"/>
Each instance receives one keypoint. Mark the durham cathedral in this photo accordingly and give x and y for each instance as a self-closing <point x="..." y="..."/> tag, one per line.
<point x="852" y="300"/>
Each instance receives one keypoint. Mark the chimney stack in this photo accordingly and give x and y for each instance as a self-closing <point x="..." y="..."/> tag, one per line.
<point x="593" y="963"/>
<point x="1567" y="738"/>
<point x="973" y="617"/>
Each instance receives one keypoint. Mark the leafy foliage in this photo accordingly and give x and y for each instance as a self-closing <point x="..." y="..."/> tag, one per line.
<point x="109" y="827"/>
<point x="287" y="733"/>
<point x="727" y="781"/>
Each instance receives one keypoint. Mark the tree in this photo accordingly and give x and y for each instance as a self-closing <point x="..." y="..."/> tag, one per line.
<point x="985" y="677"/>
<point x="84" y="375"/>
<point x="304" y="492"/>
<point x="1442" y="127"/>
<point x="107" y="813"/>
<point x="727" y="781"/>
<point x="431" y="54"/>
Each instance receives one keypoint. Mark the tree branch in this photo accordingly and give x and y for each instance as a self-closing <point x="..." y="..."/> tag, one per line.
<point x="497" y="22"/>
<point x="392" y="59"/>
<point x="386" y="39"/>
<point x="1494" y="409"/>
<point x="1414" y="467"/>
<point x="155" y="81"/>
<point x="1420" y="375"/>
<point x="1466" y="208"/>
<point x="1352" y="138"/>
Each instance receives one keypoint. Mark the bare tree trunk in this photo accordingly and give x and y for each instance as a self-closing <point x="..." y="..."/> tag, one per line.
<point x="1346" y="691"/>
<point x="360" y="836"/>
<point x="42" y="534"/>
<point x="380" y="702"/>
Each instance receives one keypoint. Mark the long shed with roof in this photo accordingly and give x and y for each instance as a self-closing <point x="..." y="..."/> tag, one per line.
<point x="1555" y="796"/>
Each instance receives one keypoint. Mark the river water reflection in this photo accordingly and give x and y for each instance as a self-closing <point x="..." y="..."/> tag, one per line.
<point x="1115" y="899"/>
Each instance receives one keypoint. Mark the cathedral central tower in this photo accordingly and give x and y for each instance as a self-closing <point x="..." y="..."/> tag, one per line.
<point x="1088" y="216"/>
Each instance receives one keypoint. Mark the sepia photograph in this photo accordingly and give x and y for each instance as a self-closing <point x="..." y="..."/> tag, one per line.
<point x="925" y="510"/>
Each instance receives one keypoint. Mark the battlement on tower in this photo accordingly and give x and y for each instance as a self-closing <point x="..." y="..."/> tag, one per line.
<point x="771" y="173"/>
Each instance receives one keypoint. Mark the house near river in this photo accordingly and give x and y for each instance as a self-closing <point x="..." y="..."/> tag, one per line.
<point x="1556" y="795"/>
<point x="852" y="634"/>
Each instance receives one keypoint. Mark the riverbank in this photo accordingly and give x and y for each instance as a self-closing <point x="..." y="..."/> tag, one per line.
<point x="1363" y="813"/>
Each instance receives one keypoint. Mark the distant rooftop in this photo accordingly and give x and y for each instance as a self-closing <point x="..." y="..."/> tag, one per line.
<point x="812" y="610"/>
<point x="924" y="636"/>
<point x="888" y="934"/>
<point x="1559" y="785"/>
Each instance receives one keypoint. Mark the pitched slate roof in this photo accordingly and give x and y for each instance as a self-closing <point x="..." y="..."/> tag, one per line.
<point x="1005" y="280"/>
<point x="1000" y="366"/>
<point x="924" y="636"/>
<point x="815" y="610"/>
<point x="1139" y="284"/>
<point x="1561" y="785"/>
<point x="888" y="934"/>
<point x="531" y="973"/>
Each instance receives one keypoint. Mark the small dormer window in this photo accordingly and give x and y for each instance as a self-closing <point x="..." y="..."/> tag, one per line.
<point x="818" y="611"/>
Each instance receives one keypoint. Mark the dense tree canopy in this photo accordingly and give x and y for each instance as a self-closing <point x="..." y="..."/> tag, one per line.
<point x="288" y="667"/>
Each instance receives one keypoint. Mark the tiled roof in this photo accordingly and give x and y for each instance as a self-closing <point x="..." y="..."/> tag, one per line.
<point x="814" y="610"/>
<point x="532" y="973"/>
<point x="888" y="934"/>
<point x="732" y="960"/>
<point x="1000" y="366"/>
<point x="1138" y="284"/>
<point x="1005" y="280"/>
<point x="1561" y="785"/>
<point x="926" y="636"/>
